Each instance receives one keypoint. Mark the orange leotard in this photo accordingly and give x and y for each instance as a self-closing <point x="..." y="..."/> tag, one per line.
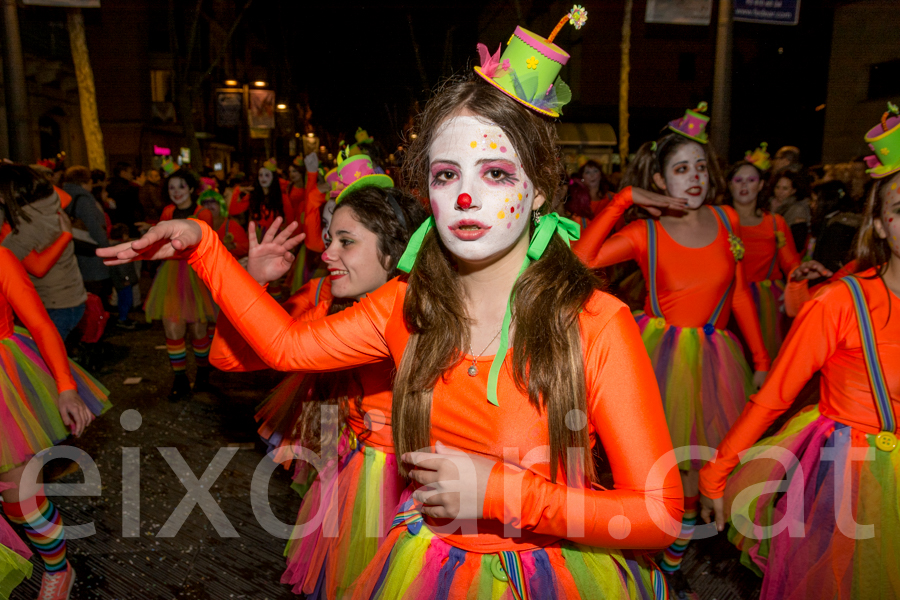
<point x="623" y="402"/>
<point x="39" y="263"/>
<point x="797" y="293"/>
<point x="238" y="235"/>
<point x="313" y="220"/>
<point x="230" y="352"/>
<point x="241" y="203"/>
<point x="825" y="337"/>
<point x="18" y="297"/>
<point x="765" y="256"/>
<point x="690" y="281"/>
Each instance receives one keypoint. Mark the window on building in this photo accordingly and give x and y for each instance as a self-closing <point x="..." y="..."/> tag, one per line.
<point x="161" y="86"/>
<point x="884" y="80"/>
<point x="687" y="66"/>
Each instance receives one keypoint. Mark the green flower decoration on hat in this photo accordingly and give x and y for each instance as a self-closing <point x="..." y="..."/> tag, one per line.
<point x="270" y="165"/>
<point x="884" y="140"/>
<point x="213" y="196"/>
<point x="549" y="225"/>
<point x="759" y="158"/>
<point x="528" y="69"/>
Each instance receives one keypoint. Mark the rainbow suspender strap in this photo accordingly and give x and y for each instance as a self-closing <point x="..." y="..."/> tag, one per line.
<point x="652" y="245"/>
<point x="652" y="248"/>
<point x="775" y="256"/>
<point x="319" y="290"/>
<point x="886" y="440"/>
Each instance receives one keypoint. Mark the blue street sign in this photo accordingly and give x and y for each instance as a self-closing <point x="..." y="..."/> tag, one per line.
<point x="772" y="12"/>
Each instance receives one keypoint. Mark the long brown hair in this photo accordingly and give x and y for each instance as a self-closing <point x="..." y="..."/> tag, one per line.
<point x="375" y="212"/>
<point x="872" y="251"/>
<point x="548" y="363"/>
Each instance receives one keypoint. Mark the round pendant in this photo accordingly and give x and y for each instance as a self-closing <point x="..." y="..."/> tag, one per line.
<point x="473" y="371"/>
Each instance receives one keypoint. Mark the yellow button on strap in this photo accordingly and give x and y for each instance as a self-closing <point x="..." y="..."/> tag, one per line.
<point x="886" y="441"/>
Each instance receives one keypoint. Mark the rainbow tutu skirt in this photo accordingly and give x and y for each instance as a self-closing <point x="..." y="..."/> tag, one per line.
<point x="178" y="295"/>
<point x="29" y="417"/>
<point x="832" y="530"/>
<point x="703" y="379"/>
<point x="343" y="521"/>
<point x="768" y="296"/>
<point x="415" y="564"/>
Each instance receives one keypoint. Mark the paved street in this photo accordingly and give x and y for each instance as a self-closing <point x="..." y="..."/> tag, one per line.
<point x="198" y="563"/>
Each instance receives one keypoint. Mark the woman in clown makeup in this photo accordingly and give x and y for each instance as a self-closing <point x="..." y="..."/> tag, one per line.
<point x="511" y="363"/>
<point x="690" y="257"/>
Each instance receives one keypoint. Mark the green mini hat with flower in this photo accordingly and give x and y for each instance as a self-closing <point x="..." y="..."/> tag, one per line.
<point x="528" y="70"/>
<point x="884" y="140"/>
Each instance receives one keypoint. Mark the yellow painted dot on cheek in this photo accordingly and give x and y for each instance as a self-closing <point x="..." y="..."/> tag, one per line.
<point x="473" y="145"/>
<point x="500" y="215"/>
<point x="506" y="199"/>
<point x="520" y="197"/>
<point x="493" y="145"/>
<point x="517" y="215"/>
<point x="893" y="186"/>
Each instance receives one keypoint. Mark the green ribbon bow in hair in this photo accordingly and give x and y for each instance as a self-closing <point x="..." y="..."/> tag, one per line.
<point x="549" y="225"/>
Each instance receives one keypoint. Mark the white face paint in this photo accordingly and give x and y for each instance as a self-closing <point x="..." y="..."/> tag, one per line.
<point x="686" y="175"/>
<point x="472" y="156"/>
<point x="179" y="192"/>
<point x="745" y="185"/>
<point x="265" y="177"/>
<point x="327" y="214"/>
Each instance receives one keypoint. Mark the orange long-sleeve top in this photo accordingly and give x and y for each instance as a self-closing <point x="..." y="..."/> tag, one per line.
<point x="313" y="220"/>
<point x="231" y="352"/>
<point x="762" y="248"/>
<point x="825" y="337"/>
<point x="240" y="203"/>
<point x="39" y="263"/>
<point x="798" y="293"/>
<point x="623" y="404"/>
<point x="689" y="281"/>
<point x="18" y="296"/>
<point x="238" y="236"/>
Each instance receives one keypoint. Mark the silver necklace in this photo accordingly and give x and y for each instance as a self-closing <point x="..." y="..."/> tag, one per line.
<point x="473" y="370"/>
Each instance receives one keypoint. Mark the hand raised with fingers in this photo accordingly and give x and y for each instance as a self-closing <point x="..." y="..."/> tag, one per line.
<point x="271" y="258"/>
<point x="162" y="241"/>
<point x="655" y="203"/>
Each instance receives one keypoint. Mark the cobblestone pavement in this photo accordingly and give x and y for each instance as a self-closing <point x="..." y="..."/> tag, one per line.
<point x="197" y="562"/>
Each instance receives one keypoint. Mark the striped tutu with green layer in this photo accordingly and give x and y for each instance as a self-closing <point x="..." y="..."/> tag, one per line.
<point x="29" y="415"/>
<point x="843" y="491"/>
<point x="178" y="295"/>
<point x="703" y="379"/>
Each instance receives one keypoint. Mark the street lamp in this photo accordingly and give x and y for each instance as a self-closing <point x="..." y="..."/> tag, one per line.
<point x="231" y="83"/>
<point x="259" y="83"/>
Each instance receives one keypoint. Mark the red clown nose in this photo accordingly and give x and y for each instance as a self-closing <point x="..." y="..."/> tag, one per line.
<point x="464" y="201"/>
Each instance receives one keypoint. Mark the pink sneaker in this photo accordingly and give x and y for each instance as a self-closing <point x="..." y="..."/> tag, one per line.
<point x="57" y="586"/>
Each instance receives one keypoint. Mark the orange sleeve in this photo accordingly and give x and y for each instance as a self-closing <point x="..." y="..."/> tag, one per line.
<point x="40" y="263"/>
<point x="238" y="203"/>
<point x="230" y="352"/>
<point x="241" y="241"/>
<point x="593" y="248"/>
<point x="350" y="338"/>
<point x="745" y="309"/>
<point x="788" y="257"/>
<point x="812" y="340"/>
<point x="313" y="219"/>
<point x="626" y="411"/>
<point x="65" y="198"/>
<point x="27" y="305"/>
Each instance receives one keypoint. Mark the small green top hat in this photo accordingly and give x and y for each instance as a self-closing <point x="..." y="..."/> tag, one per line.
<point x="528" y="70"/>
<point x="693" y="124"/>
<point x="884" y="140"/>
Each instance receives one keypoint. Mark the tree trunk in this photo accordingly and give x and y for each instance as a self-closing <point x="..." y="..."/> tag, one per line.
<point x="87" y="94"/>
<point x="623" y="86"/>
